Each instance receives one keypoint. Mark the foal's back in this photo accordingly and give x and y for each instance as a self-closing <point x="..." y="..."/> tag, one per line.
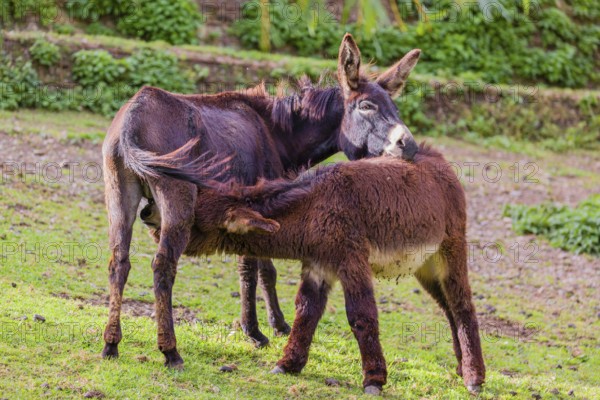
<point x="402" y="211"/>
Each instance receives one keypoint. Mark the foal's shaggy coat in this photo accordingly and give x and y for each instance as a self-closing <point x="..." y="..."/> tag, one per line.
<point x="349" y="222"/>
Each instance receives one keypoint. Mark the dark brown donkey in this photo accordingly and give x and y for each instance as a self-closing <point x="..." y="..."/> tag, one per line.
<point x="381" y="217"/>
<point x="264" y="136"/>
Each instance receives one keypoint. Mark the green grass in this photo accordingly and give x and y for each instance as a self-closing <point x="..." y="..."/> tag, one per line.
<point x="70" y="126"/>
<point x="60" y="358"/>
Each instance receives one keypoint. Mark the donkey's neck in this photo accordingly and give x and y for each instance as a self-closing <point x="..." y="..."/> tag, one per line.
<point x="308" y="126"/>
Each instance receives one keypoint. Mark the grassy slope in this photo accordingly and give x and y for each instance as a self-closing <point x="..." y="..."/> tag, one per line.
<point x="64" y="351"/>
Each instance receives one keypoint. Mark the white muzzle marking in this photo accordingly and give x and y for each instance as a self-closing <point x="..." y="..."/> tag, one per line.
<point x="397" y="133"/>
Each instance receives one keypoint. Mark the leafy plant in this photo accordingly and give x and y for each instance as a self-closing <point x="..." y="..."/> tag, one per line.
<point x="174" y="21"/>
<point x="44" y="52"/>
<point x="107" y="82"/>
<point x="92" y="67"/>
<point x="575" y="229"/>
<point x="18" y="83"/>
<point x="23" y="11"/>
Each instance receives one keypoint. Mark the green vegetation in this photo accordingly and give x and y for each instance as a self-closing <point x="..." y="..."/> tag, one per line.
<point x="575" y="229"/>
<point x="44" y="52"/>
<point x="174" y="21"/>
<point x="488" y="41"/>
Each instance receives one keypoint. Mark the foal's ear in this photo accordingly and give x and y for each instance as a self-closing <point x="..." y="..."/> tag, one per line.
<point x="348" y="65"/>
<point x="244" y="220"/>
<point x="394" y="79"/>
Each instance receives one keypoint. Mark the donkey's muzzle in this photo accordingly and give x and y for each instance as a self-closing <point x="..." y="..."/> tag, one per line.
<point x="401" y="143"/>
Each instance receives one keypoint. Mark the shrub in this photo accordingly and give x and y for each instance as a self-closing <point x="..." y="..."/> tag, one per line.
<point x="575" y="229"/>
<point x="174" y="21"/>
<point x="23" y="11"/>
<point x="44" y="52"/>
<point x="148" y="67"/>
<point x="107" y="82"/>
<point x="97" y="28"/>
<point x="18" y="83"/>
<point x="92" y="67"/>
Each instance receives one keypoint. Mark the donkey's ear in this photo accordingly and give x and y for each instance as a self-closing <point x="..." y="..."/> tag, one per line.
<point x="244" y="220"/>
<point x="394" y="79"/>
<point x="348" y="65"/>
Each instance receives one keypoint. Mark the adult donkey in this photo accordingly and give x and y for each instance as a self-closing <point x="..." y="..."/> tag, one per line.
<point x="264" y="136"/>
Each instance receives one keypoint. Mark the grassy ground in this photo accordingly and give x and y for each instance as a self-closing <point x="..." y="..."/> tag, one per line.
<point x="539" y="328"/>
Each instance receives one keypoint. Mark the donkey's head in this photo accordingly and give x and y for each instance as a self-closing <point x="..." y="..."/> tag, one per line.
<point x="371" y="125"/>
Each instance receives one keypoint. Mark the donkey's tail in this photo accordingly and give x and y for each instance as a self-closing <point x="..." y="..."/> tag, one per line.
<point x="179" y="164"/>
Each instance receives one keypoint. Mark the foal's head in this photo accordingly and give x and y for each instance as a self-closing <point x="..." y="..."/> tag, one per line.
<point x="371" y="125"/>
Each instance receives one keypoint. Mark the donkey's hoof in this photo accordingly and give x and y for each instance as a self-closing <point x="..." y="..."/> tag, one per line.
<point x="278" y="370"/>
<point x="474" y="389"/>
<point x="283" y="330"/>
<point x="173" y="360"/>
<point x="259" y="339"/>
<point x="111" y="350"/>
<point x="373" y="390"/>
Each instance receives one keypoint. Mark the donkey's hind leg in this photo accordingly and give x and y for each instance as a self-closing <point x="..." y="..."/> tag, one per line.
<point x="455" y="284"/>
<point x="123" y="194"/>
<point x="428" y="278"/>
<point x="267" y="275"/>
<point x="176" y="202"/>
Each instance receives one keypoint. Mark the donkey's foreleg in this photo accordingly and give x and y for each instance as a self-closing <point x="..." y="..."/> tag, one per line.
<point x="267" y="275"/>
<point x="458" y="294"/>
<point x="361" y="310"/>
<point x="123" y="194"/>
<point x="310" y="305"/>
<point x="248" y="271"/>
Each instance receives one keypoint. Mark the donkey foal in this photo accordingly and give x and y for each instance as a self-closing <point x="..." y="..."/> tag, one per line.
<point x="381" y="217"/>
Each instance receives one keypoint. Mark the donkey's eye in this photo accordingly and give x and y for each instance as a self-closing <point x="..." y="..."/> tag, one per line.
<point x="367" y="106"/>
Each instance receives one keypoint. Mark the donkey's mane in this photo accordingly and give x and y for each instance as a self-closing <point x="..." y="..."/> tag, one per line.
<point x="308" y="101"/>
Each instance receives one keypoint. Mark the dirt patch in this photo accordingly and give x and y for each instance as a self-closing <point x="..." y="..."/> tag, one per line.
<point x="138" y="308"/>
<point x="492" y="326"/>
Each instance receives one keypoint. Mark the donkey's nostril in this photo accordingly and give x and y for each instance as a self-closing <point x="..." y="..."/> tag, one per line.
<point x="401" y="143"/>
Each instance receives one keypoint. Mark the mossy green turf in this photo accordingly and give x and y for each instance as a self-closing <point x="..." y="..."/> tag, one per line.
<point x="60" y="358"/>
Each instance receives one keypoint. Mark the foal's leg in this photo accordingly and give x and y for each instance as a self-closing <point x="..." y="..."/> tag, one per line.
<point x="455" y="285"/>
<point x="428" y="277"/>
<point x="176" y="202"/>
<point x="267" y="275"/>
<point x="248" y="271"/>
<point x="123" y="194"/>
<point x="310" y="305"/>
<point x="361" y="309"/>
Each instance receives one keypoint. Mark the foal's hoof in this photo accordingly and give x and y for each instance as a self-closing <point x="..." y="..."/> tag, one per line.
<point x="283" y="330"/>
<point x="278" y="370"/>
<point x="474" y="389"/>
<point x="373" y="390"/>
<point x="111" y="350"/>
<point x="173" y="360"/>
